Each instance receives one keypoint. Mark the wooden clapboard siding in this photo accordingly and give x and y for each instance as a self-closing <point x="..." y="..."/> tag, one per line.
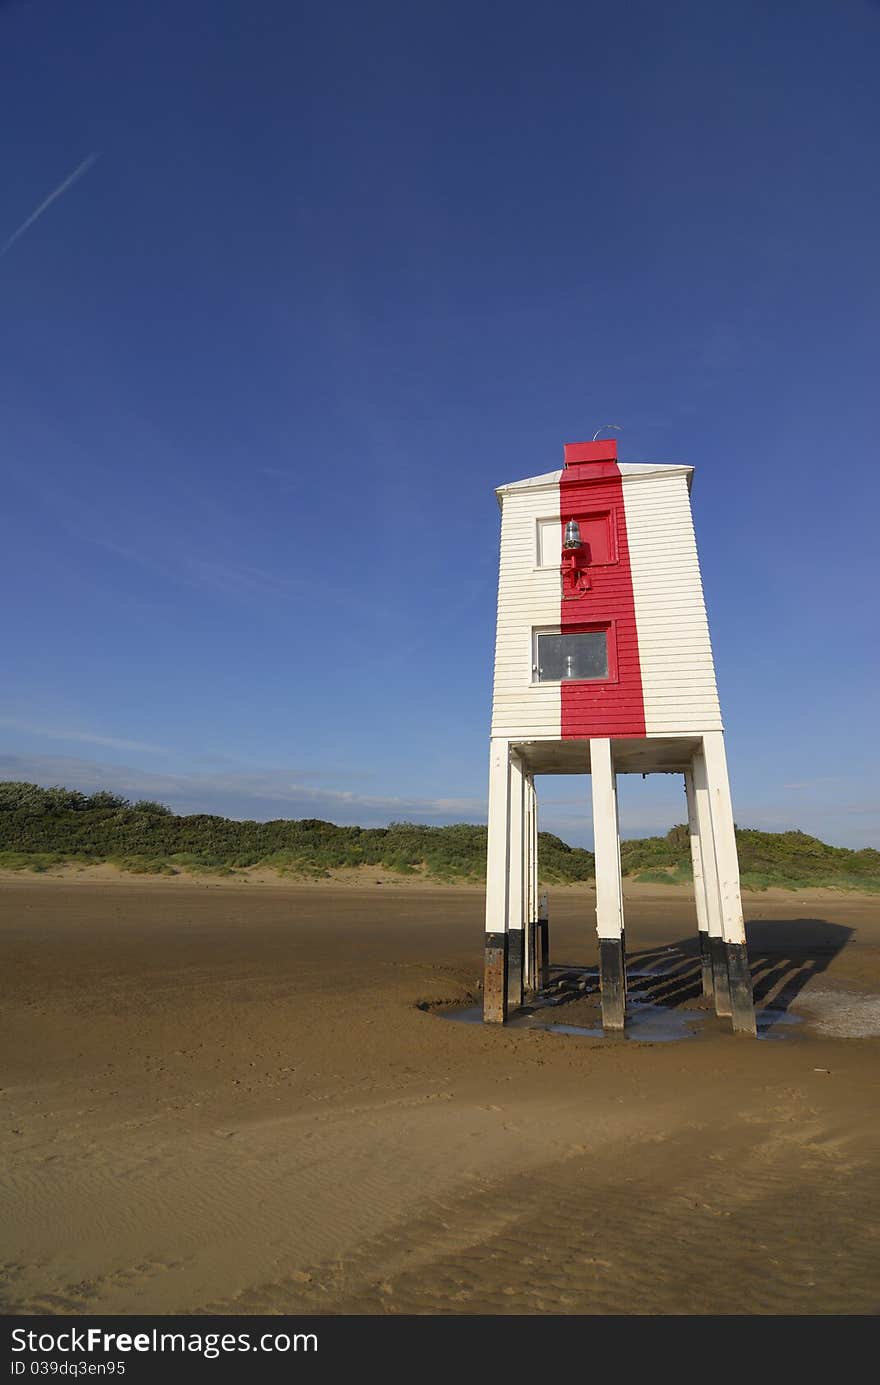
<point x="528" y="596"/>
<point x="675" y="653"/>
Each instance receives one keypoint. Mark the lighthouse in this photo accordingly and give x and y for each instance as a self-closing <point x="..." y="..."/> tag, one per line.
<point x="603" y="666"/>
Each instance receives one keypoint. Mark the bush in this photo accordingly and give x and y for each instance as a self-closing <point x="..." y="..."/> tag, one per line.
<point x="44" y="826"/>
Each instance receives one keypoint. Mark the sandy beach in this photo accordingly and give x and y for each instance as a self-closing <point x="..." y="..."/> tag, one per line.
<point x="241" y="1097"/>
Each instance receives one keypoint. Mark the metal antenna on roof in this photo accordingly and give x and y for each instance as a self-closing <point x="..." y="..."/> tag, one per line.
<point x="617" y="426"/>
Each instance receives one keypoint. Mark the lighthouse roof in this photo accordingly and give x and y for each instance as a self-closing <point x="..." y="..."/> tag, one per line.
<point x="628" y="471"/>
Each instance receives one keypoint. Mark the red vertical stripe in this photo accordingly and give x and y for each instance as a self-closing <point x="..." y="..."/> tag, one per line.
<point x="614" y="707"/>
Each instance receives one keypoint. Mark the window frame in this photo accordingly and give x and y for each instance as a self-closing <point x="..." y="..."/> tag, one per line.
<point x="608" y="512"/>
<point x="587" y="627"/>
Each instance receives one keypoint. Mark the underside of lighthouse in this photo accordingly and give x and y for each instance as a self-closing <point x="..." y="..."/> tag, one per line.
<point x="603" y="666"/>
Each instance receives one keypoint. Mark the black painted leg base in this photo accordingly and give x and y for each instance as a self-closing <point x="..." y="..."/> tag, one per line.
<point x="612" y="981"/>
<point x="514" y="969"/>
<point x="742" y="1004"/>
<point x="720" y="982"/>
<point x="544" y="953"/>
<point x="706" y="965"/>
<point x="495" y="979"/>
<point x="530" y="969"/>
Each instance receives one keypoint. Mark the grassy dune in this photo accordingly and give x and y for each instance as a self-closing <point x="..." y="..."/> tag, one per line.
<point x="41" y="828"/>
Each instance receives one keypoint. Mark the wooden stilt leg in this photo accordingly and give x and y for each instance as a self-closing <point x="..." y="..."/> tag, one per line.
<point x="544" y="942"/>
<point x="495" y="979"/>
<point x="530" y="940"/>
<point x="609" y="889"/>
<point x="620" y="877"/>
<point x="720" y="981"/>
<point x="742" y="1006"/>
<point x="495" y="959"/>
<point x="717" y="955"/>
<point x="514" y="969"/>
<point x="708" y="984"/>
<point x="516" y="899"/>
<point x="612" y="974"/>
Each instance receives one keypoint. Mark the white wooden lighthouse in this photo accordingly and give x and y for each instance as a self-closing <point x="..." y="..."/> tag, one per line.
<point x="603" y="666"/>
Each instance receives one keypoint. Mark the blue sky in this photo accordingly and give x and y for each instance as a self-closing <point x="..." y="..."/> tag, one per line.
<point x="334" y="272"/>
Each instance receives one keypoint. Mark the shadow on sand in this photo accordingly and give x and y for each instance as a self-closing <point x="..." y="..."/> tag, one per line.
<point x="784" y="955"/>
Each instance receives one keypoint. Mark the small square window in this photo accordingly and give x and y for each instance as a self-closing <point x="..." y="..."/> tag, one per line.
<point x="562" y="657"/>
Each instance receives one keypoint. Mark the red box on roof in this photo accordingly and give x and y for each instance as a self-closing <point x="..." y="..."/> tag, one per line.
<point x="603" y="450"/>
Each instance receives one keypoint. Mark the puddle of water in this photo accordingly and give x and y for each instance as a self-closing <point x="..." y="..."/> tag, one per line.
<point x="645" y="1023"/>
<point x="657" y="1024"/>
<point x="472" y="1015"/>
<point x="569" y="1029"/>
<point x="772" y="1024"/>
<point x="559" y="973"/>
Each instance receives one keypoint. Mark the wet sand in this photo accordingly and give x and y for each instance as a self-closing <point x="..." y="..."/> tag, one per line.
<point x="225" y="1098"/>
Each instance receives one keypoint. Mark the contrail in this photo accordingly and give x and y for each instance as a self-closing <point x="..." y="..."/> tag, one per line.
<point x="61" y="188"/>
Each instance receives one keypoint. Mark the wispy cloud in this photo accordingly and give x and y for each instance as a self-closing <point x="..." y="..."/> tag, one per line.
<point x="62" y="187"/>
<point x="812" y="783"/>
<point x="255" y="794"/>
<point x="67" y="733"/>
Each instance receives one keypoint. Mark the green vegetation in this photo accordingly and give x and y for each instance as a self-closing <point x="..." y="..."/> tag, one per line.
<point x="787" y="860"/>
<point x="40" y="828"/>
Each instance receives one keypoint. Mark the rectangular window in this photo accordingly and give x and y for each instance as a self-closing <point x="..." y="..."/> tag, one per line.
<point x="581" y="655"/>
<point x="549" y="542"/>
